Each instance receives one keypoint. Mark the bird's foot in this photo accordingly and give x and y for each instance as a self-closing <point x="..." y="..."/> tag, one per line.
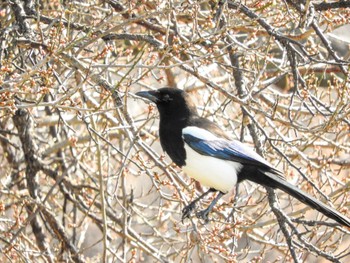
<point x="203" y="214"/>
<point x="187" y="210"/>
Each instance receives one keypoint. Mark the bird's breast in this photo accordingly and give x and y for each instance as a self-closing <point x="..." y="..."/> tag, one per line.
<point x="211" y="172"/>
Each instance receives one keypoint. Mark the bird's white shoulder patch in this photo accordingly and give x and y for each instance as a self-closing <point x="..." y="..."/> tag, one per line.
<point x="209" y="171"/>
<point x="199" y="133"/>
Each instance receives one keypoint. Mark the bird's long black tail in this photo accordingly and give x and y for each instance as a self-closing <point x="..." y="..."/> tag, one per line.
<point x="272" y="180"/>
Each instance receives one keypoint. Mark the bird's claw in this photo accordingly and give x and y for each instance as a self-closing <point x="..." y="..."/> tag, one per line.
<point x="203" y="215"/>
<point x="187" y="210"/>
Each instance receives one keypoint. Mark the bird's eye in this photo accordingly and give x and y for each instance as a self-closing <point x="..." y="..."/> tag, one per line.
<point x="166" y="98"/>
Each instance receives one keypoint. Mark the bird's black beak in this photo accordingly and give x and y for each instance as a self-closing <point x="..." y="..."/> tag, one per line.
<point x="150" y="95"/>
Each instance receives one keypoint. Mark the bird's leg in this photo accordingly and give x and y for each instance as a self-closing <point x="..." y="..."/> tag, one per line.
<point x="187" y="210"/>
<point x="204" y="213"/>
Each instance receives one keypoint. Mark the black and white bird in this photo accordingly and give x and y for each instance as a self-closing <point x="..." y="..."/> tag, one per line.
<point x="207" y="154"/>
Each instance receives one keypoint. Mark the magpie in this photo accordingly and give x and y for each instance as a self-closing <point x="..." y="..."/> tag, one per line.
<point x="207" y="154"/>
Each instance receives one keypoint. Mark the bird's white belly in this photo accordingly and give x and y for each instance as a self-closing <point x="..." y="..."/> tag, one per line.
<point x="211" y="172"/>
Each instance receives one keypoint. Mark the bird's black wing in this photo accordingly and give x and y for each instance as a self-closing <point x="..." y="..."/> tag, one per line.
<point x="228" y="150"/>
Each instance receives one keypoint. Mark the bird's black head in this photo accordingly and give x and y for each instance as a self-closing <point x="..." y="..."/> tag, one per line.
<point x="171" y="102"/>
